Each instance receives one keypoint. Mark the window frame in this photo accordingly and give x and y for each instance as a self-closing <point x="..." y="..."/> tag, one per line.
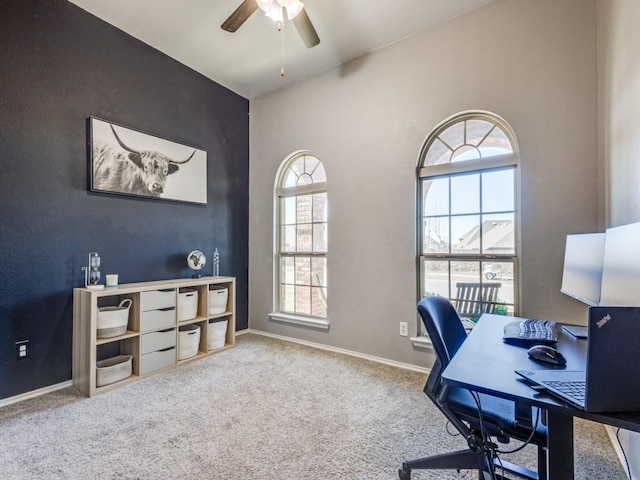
<point x="448" y="170"/>
<point x="281" y="192"/>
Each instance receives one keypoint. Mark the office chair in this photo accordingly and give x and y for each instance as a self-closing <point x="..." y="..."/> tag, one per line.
<point x="458" y="405"/>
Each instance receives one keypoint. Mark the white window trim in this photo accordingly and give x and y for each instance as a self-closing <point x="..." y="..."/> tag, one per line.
<point x="422" y="342"/>
<point x="278" y="193"/>
<point x="316" y="322"/>
<point x="470" y="166"/>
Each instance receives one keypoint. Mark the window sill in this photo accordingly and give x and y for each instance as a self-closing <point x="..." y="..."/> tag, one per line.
<point x="321" y="323"/>
<point x="422" y="342"/>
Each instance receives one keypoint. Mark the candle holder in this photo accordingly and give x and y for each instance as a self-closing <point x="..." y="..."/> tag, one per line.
<point x="92" y="272"/>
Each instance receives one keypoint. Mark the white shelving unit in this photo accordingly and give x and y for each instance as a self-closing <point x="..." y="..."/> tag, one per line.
<point x="152" y="335"/>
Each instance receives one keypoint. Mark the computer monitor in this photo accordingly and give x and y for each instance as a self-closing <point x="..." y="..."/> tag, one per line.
<point x="582" y="272"/>
<point x="621" y="267"/>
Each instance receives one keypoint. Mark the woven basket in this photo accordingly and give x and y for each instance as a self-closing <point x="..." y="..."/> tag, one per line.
<point x="187" y="304"/>
<point x="112" y="321"/>
<point x="218" y="299"/>
<point x="112" y="370"/>
<point x="188" y="341"/>
<point x="217" y="333"/>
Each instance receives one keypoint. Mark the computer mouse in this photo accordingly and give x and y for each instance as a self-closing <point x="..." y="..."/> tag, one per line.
<point x="546" y="354"/>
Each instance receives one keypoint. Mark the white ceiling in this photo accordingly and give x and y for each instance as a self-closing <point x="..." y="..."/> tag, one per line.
<point x="249" y="60"/>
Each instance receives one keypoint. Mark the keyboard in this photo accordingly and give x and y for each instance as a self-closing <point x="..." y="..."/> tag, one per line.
<point x="528" y="332"/>
<point x="574" y="390"/>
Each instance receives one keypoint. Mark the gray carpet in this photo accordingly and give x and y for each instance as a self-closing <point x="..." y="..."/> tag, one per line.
<point x="266" y="409"/>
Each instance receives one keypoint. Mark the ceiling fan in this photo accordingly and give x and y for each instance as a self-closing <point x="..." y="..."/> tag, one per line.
<point x="274" y="8"/>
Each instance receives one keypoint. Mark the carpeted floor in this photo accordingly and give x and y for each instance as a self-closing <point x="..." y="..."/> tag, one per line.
<point x="264" y="410"/>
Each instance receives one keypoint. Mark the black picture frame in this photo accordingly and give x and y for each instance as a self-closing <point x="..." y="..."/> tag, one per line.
<point x="125" y="161"/>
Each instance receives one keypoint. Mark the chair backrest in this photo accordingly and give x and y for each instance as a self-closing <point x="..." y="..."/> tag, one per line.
<point x="447" y="334"/>
<point x="474" y="299"/>
<point x="443" y="326"/>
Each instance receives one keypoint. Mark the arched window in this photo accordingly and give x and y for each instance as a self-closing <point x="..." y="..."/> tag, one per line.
<point x="301" y="241"/>
<point x="468" y="215"/>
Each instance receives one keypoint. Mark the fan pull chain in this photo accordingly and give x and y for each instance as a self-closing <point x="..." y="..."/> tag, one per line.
<point x="281" y="29"/>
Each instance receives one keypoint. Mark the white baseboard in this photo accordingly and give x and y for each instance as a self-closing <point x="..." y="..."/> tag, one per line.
<point x="320" y="346"/>
<point x="611" y="431"/>
<point x="34" y="393"/>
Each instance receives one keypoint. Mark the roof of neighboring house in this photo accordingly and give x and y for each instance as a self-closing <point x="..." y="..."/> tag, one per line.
<point x="498" y="236"/>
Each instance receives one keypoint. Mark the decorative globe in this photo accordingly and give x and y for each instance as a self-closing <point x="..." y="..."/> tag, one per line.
<point x="196" y="261"/>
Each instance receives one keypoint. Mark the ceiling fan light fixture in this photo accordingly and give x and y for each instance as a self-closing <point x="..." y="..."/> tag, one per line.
<point x="274" y="9"/>
<point x="275" y="13"/>
<point x="294" y="7"/>
<point x="265" y="5"/>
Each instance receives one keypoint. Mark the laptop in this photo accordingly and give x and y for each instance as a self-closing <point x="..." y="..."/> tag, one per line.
<point x="611" y="380"/>
<point x="577" y="331"/>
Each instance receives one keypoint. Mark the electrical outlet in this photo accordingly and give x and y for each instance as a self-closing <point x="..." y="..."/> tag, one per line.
<point x="23" y="350"/>
<point x="404" y="329"/>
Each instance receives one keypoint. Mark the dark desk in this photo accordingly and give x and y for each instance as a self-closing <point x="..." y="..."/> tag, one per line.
<point x="484" y="363"/>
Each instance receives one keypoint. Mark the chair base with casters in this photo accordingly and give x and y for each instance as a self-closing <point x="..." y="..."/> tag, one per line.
<point x="466" y="460"/>
<point x="461" y="410"/>
<point x="477" y="417"/>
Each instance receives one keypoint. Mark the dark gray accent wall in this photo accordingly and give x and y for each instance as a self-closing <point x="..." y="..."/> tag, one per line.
<point x="60" y="65"/>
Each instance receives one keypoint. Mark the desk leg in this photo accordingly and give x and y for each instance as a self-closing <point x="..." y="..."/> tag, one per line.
<point x="559" y="446"/>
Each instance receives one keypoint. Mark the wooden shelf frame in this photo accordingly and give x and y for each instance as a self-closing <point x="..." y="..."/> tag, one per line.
<point x="86" y="303"/>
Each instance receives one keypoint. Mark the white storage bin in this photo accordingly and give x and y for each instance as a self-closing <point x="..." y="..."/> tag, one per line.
<point x="112" y="370"/>
<point x="187" y="304"/>
<point x="157" y="299"/>
<point x="217" y="334"/>
<point x="188" y="341"/>
<point x="150" y="342"/>
<point x="153" y="361"/>
<point x="157" y="319"/>
<point x="218" y="296"/>
<point x="113" y="321"/>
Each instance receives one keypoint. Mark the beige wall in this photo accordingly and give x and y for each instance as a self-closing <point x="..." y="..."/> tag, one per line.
<point x="619" y="130"/>
<point x="619" y="108"/>
<point x="533" y="63"/>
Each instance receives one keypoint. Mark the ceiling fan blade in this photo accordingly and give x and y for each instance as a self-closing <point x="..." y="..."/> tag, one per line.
<point x="240" y="15"/>
<point x="305" y="29"/>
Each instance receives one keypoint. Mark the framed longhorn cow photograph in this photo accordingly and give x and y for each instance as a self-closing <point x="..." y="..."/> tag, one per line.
<point x="124" y="161"/>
